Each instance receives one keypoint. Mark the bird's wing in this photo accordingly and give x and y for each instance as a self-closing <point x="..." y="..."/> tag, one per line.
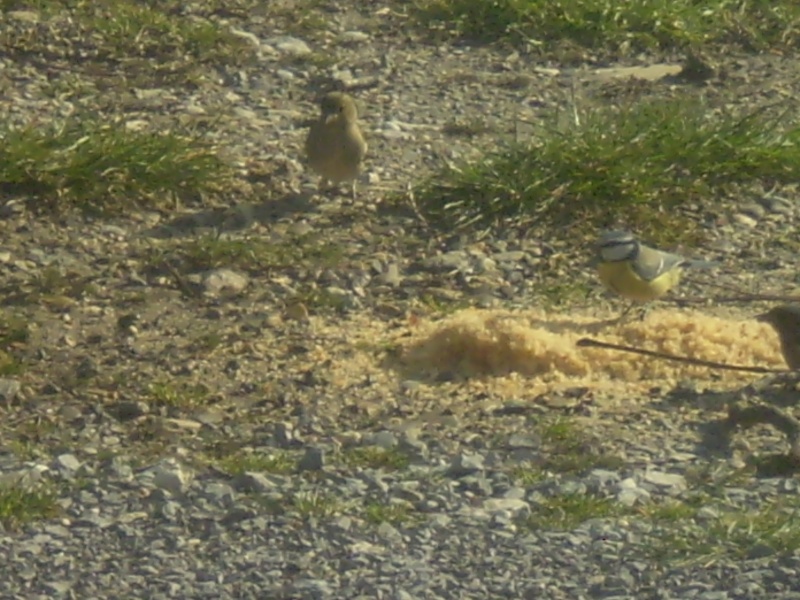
<point x="651" y="263"/>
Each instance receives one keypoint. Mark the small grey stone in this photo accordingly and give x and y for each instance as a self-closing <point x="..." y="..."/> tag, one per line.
<point x="284" y="434"/>
<point x="447" y="262"/>
<point x="220" y="493"/>
<point x="465" y="464"/>
<point x="519" y="441"/>
<point x="382" y="439"/>
<point x="760" y="550"/>
<point x="515" y="493"/>
<point x="312" y="460"/>
<point x="412" y="445"/>
<point x="778" y="205"/>
<point x="353" y="37"/>
<point x="571" y="488"/>
<point x="707" y="513"/>
<point x="674" y="481"/>
<point x="67" y="462"/>
<point x="58" y="587"/>
<point x="253" y="482"/>
<point x="346" y="299"/>
<point x="391" y="276"/>
<point x="130" y="410"/>
<point x="286" y="44"/>
<point x="511" y="505"/>
<point x="387" y="531"/>
<point x="752" y="209"/>
<point x="9" y="388"/>
<point x="630" y="496"/>
<point x="317" y="587"/>
<point x="713" y="595"/>
<point x="170" y="476"/>
<point x="224" y="281"/>
<point x="511" y="256"/>
<point x="601" y="478"/>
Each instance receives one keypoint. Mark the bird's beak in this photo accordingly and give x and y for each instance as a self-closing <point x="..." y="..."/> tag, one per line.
<point x="763" y="317"/>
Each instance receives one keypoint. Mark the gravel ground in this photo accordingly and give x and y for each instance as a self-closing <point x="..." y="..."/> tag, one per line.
<point x="145" y="508"/>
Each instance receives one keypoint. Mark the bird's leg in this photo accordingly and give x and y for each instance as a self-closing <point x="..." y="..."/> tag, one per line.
<point x="625" y="312"/>
<point x="643" y="312"/>
<point x="625" y="316"/>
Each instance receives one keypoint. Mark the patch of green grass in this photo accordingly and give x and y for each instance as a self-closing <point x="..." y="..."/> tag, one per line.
<point x="24" y="449"/>
<point x="115" y="28"/>
<point x="20" y="504"/>
<point x="240" y="462"/>
<point x="180" y="395"/>
<point x="14" y="335"/>
<point x="13" y="331"/>
<point x="566" y="512"/>
<point x="668" y="511"/>
<point x="43" y="6"/>
<point x="635" y="165"/>
<point x="737" y="534"/>
<point x="608" y="26"/>
<point x="395" y="513"/>
<point x="100" y="165"/>
<point x="315" y="505"/>
<point x="569" y="449"/>
<point x="375" y="457"/>
<point x="527" y="474"/>
<point x="138" y="28"/>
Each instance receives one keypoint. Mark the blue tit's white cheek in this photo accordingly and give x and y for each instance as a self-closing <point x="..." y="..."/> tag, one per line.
<point x="616" y="253"/>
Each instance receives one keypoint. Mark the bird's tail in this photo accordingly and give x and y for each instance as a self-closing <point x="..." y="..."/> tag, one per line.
<point x="702" y="264"/>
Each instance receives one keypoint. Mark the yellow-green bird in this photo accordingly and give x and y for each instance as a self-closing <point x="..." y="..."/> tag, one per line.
<point x="335" y="145"/>
<point x="635" y="271"/>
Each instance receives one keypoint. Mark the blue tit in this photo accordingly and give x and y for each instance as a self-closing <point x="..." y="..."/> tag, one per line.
<point x="635" y="271"/>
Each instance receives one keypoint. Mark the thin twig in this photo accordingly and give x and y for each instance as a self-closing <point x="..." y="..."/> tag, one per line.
<point x="180" y="281"/>
<point x="590" y="343"/>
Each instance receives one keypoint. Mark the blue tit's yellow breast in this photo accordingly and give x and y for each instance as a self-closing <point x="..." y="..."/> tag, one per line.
<point x="620" y="277"/>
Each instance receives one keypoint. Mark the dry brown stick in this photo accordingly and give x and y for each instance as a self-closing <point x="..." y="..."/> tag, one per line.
<point x="590" y="343"/>
<point x="179" y="280"/>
